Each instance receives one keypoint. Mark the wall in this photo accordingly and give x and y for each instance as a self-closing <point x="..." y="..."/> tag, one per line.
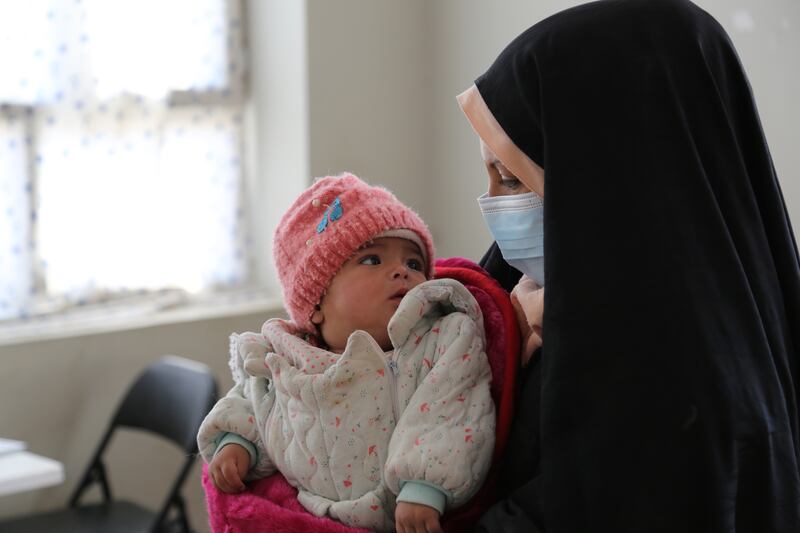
<point x="277" y="163"/>
<point x="370" y="86"/>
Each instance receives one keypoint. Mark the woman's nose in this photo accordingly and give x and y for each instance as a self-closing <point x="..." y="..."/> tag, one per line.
<point x="495" y="189"/>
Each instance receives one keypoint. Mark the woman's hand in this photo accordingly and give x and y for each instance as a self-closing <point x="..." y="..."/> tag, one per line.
<point x="528" y="301"/>
<point x="228" y="468"/>
<point x="416" y="518"/>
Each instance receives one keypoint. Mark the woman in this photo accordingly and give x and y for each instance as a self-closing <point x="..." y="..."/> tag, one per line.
<point x="669" y="369"/>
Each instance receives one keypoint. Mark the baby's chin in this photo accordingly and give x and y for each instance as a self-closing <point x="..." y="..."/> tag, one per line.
<point x="383" y="340"/>
<point x="381" y="336"/>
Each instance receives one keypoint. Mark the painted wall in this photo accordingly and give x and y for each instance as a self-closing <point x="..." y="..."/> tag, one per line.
<point x="370" y="86"/>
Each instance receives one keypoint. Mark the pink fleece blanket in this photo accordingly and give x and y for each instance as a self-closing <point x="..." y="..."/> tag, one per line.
<point x="268" y="504"/>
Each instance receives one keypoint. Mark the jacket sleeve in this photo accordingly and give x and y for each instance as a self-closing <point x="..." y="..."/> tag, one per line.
<point x="246" y="406"/>
<point x="445" y="436"/>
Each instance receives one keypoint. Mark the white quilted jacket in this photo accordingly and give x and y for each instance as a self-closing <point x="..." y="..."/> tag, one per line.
<point x="349" y="429"/>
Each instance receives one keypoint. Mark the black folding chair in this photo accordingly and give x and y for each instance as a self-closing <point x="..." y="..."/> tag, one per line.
<point x="170" y="398"/>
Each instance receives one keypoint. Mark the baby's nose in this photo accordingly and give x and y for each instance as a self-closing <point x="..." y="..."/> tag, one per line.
<point x="401" y="270"/>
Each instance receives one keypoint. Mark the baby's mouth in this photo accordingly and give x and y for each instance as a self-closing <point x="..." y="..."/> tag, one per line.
<point x="399" y="295"/>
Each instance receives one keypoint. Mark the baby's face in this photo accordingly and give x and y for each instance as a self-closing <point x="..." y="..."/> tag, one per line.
<point x="366" y="292"/>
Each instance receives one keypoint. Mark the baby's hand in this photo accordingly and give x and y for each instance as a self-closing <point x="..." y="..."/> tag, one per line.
<point x="416" y="518"/>
<point x="228" y="468"/>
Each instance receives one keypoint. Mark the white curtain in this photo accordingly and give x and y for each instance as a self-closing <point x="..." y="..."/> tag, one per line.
<point x="120" y="129"/>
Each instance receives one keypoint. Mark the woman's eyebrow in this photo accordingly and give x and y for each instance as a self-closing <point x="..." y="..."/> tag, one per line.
<point x="503" y="170"/>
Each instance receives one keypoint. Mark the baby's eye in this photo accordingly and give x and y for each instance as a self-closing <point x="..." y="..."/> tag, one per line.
<point x="370" y="260"/>
<point x="415" y="264"/>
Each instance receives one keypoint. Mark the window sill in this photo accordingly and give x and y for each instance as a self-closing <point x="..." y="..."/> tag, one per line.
<point x="150" y="312"/>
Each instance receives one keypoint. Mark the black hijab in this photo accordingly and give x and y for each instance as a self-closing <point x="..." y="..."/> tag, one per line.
<point x="669" y="371"/>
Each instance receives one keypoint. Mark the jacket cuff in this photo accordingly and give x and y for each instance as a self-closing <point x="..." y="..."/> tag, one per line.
<point x="233" y="438"/>
<point x="423" y="493"/>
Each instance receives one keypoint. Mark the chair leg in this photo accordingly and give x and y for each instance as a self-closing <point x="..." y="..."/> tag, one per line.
<point x="182" y="518"/>
<point x="177" y="522"/>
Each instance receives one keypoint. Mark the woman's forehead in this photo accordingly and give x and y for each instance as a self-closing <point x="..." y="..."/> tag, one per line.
<point x="487" y="154"/>
<point x="491" y="159"/>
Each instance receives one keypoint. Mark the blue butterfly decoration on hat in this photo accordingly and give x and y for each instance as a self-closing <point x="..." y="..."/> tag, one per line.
<point x="332" y="214"/>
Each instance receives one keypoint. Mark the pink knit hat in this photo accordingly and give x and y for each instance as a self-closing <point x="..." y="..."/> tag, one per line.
<point x="325" y="226"/>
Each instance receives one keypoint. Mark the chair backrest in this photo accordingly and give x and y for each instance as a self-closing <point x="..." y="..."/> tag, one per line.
<point x="170" y="398"/>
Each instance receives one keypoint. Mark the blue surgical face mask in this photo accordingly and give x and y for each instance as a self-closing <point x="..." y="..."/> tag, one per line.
<point x="517" y="224"/>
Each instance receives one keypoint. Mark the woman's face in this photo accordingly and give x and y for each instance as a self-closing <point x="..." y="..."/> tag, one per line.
<point x="501" y="181"/>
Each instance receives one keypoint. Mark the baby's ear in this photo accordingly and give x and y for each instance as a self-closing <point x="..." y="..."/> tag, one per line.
<point x="317" y="318"/>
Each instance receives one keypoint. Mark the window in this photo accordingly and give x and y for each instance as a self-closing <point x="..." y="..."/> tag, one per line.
<point x="121" y="141"/>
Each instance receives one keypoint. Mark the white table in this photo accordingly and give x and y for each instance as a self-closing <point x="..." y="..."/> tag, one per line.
<point x="21" y="471"/>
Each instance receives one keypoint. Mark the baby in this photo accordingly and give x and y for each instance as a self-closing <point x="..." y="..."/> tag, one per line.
<point x="374" y="399"/>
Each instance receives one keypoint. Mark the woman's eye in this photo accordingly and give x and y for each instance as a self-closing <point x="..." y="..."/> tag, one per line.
<point x="507" y="179"/>
<point x="370" y="260"/>
<point x="415" y="264"/>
